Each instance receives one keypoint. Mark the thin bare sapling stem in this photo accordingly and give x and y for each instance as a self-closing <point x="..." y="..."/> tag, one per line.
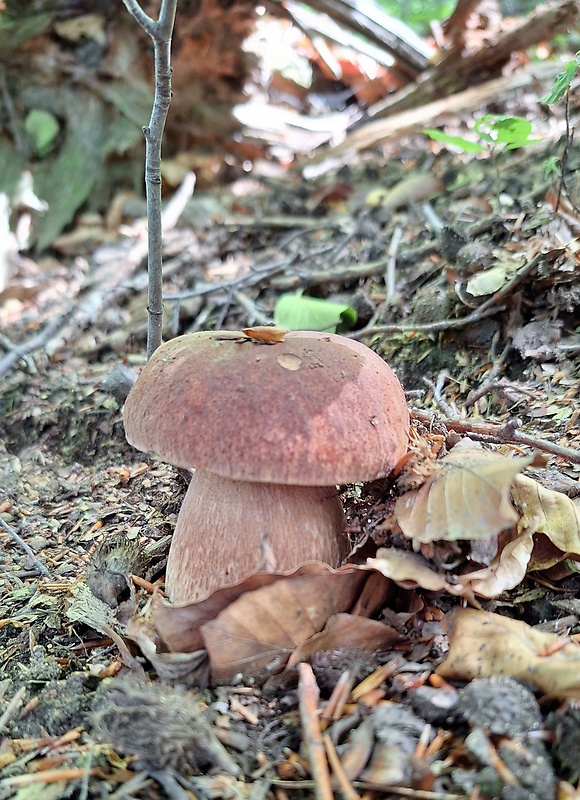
<point x="160" y="32"/>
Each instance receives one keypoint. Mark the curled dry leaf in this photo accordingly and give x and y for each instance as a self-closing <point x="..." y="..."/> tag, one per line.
<point x="482" y="644"/>
<point x="270" y="334"/>
<point x="468" y="497"/>
<point x="260" y="629"/>
<point x="341" y="629"/>
<point x="179" y="624"/>
<point x="256" y="625"/>
<point x="410" y="570"/>
<point x="507" y="570"/>
<point x="546" y="511"/>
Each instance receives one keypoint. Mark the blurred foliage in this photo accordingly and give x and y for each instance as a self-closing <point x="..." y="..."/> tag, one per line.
<point x="563" y="81"/>
<point x="418" y="13"/>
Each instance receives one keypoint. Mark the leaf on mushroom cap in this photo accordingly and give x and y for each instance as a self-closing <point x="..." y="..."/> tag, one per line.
<point x="312" y="410"/>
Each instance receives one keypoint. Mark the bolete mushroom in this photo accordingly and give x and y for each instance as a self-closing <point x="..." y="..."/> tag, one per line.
<point x="271" y="429"/>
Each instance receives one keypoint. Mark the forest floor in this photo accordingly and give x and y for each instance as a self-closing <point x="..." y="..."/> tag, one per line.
<point x="481" y="328"/>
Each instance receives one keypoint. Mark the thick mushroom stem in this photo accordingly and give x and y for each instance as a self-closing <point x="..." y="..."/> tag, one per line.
<point x="227" y="530"/>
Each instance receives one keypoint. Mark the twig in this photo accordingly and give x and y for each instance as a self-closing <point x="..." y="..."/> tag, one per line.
<point x="256" y="276"/>
<point x="251" y="309"/>
<point x="437" y="389"/>
<point x="174" y="208"/>
<point x="160" y="32"/>
<point x="36" y="562"/>
<point x="484" y="310"/>
<point x="168" y="783"/>
<point x="12" y="708"/>
<point x="342" y="780"/>
<point x="504" y="434"/>
<point x="35" y="342"/>
<point x="490" y="381"/>
<point x="309" y="694"/>
<point x="390" y="273"/>
<point x="50" y="776"/>
<point x="351" y="272"/>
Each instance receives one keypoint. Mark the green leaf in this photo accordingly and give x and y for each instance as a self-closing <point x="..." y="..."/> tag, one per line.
<point x="509" y="131"/>
<point x="457" y="141"/>
<point x="562" y="82"/>
<point x="551" y="167"/>
<point x="299" y="313"/>
<point x="66" y="180"/>
<point x="42" y="127"/>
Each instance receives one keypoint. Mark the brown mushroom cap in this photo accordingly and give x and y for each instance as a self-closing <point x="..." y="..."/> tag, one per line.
<point x="313" y="410"/>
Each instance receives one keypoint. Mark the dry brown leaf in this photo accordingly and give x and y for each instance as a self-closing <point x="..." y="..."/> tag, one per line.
<point x="507" y="570"/>
<point x="467" y="498"/>
<point x="266" y="333"/>
<point x="410" y="570"/>
<point x="178" y="625"/>
<point x="260" y="629"/>
<point x="347" y="630"/>
<point x="482" y="644"/>
<point x="546" y="511"/>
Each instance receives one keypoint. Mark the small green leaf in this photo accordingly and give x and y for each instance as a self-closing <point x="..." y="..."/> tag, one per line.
<point x="42" y="127"/>
<point x="562" y="82"/>
<point x="457" y="141"/>
<point x="512" y="129"/>
<point x="299" y="313"/>
<point x="509" y="131"/>
<point x="551" y="167"/>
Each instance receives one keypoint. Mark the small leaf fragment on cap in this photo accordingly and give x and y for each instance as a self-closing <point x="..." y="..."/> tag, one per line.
<point x="266" y="333"/>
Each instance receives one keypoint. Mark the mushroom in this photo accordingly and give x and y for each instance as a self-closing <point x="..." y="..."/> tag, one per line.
<point x="271" y="429"/>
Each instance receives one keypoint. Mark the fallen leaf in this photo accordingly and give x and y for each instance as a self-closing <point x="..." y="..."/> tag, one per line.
<point x="347" y="630"/>
<point x="410" y="570"/>
<point x="179" y="624"/>
<point x="413" y="188"/>
<point x="468" y="497"/>
<point x="266" y="333"/>
<point x="505" y="572"/>
<point x="482" y="644"/>
<point x="488" y="281"/>
<point x="260" y="629"/>
<point x="301" y="313"/>
<point x="546" y="511"/>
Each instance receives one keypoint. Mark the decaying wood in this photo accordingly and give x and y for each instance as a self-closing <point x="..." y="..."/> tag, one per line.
<point x="412" y="53"/>
<point x="407" y="122"/>
<point x="493" y="433"/>
<point x="458" y="69"/>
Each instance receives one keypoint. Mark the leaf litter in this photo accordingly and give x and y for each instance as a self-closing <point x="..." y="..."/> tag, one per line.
<point x="108" y="688"/>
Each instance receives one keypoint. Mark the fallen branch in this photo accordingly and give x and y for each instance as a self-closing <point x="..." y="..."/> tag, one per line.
<point x="498" y="434"/>
<point x="102" y="287"/>
<point x="404" y="123"/>
<point x="18" y="351"/>
<point x="36" y="562"/>
<point x="484" y="310"/>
